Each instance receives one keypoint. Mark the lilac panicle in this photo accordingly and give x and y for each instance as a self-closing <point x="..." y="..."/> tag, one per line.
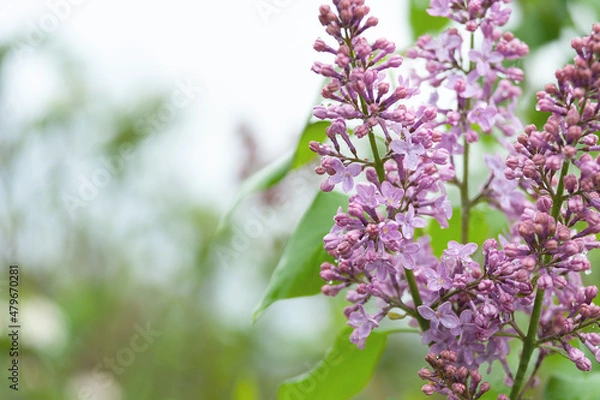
<point x="374" y="242"/>
<point x="549" y="187"/>
<point x="558" y="166"/>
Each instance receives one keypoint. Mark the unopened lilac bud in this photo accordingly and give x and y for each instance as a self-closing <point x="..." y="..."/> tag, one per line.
<point x="544" y="282"/>
<point x="355" y="210"/>
<point x="459" y="388"/>
<point x="559" y="282"/>
<point x="563" y="233"/>
<point x="440" y="156"/>
<point x="593" y="338"/>
<point x="371" y="21"/>
<point x="471" y="26"/>
<point x="511" y="250"/>
<point x="360" y="11"/>
<point x="332" y="291"/>
<point x="570" y="182"/>
<point x="361" y="130"/>
<point x="529" y="263"/>
<point x="573" y="134"/>
<point x="485" y="286"/>
<point x="428" y="389"/>
<point x="522" y="275"/>
<point x="329" y="275"/>
<point x="569" y="151"/>
<point x="475" y="376"/>
<point x="326" y="186"/>
<point x="371" y="175"/>
<point x="544" y="204"/>
<point x="570" y="248"/>
<point x="526" y="230"/>
<point x="551" y="245"/>
<point x="525" y="287"/>
<point x="431" y="359"/>
<point x="362" y="288"/>
<point x="450" y="370"/>
<point x="572" y="116"/>
<point x="484" y="387"/>
<point x="554" y="163"/>
<point x="462" y="373"/>
<point x="580" y="360"/>
<point x="567" y="326"/>
<point x="383" y="88"/>
<point x="425" y="374"/>
<point x="530" y="171"/>
<point x="512" y="162"/>
<point x="590" y="293"/>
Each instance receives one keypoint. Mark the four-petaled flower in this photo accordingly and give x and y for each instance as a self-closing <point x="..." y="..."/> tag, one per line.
<point x="443" y="315"/>
<point x="485" y="116"/>
<point x="485" y="57"/>
<point x="460" y="251"/>
<point x="409" y="222"/>
<point x="411" y="152"/>
<point x="363" y="324"/>
<point x="345" y="175"/>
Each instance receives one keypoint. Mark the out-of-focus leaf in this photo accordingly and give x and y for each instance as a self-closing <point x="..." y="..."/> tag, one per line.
<point x="314" y="131"/>
<point x="343" y="372"/>
<point x="297" y="273"/>
<point x="542" y="21"/>
<point x="274" y="172"/>
<point x="246" y="388"/>
<point x="421" y="22"/>
<point x="265" y="178"/>
<point x="583" y="387"/>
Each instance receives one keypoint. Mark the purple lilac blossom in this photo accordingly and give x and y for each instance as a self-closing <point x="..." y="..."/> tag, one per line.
<point x="470" y="305"/>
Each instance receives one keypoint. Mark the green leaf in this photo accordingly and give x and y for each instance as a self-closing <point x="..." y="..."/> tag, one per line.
<point x="421" y="22"/>
<point x="266" y="178"/>
<point x="343" y="372"/>
<point x="542" y="21"/>
<point x="583" y="387"/>
<point x="314" y="131"/>
<point x="274" y="172"/>
<point x="297" y="273"/>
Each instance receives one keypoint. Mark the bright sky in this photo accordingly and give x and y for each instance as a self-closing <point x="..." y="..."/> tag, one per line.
<point x="251" y="60"/>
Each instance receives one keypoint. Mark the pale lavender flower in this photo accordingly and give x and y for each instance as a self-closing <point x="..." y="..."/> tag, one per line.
<point x="443" y="315"/>
<point x="409" y="222"/>
<point x="485" y="57"/>
<point x="344" y="174"/>
<point x="363" y="324"/>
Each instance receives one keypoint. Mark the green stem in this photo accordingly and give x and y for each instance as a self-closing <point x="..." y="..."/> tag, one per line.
<point x="410" y="277"/>
<point x="376" y="158"/>
<point x="414" y="291"/>
<point x="530" y="343"/>
<point x="464" y="196"/>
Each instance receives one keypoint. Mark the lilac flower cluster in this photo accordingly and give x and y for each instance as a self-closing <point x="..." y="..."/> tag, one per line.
<point x="466" y="310"/>
<point x="445" y="378"/>
<point x="480" y="83"/>
<point x="374" y="242"/>
<point x="559" y="169"/>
